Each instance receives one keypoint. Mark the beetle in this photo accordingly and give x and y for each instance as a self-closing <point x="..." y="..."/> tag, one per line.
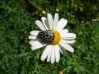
<point x="46" y="36"/>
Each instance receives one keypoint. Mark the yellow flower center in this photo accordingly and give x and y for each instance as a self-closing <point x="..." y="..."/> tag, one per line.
<point x="57" y="38"/>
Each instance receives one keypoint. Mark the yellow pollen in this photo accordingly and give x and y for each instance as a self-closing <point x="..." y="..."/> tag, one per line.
<point x="57" y="38"/>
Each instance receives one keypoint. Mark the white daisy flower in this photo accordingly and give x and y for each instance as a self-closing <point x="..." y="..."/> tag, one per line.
<point x="53" y="36"/>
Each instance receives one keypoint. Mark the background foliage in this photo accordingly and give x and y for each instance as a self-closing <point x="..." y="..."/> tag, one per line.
<point x="17" y="19"/>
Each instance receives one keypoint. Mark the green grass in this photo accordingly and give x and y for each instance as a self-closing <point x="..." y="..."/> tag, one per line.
<point x="17" y="20"/>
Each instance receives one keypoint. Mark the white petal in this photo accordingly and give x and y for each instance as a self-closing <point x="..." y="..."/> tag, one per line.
<point x="68" y="41"/>
<point x="63" y="32"/>
<point x="62" y="50"/>
<point x="36" y="47"/>
<point x="67" y="47"/>
<point x="35" y="43"/>
<point x="46" y="52"/>
<point x="32" y="37"/>
<point x="50" y="20"/>
<point x="57" y="53"/>
<point x="53" y="55"/>
<point x="61" y="24"/>
<point x="55" y="22"/>
<point x="40" y="25"/>
<point x="68" y="36"/>
<point x="45" y="23"/>
<point x="34" y="32"/>
<point x="49" y="55"/>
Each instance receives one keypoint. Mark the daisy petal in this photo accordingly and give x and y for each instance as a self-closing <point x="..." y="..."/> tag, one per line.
<point x="63" y="32"/>
<point x="68" y="41"/>
<point x="34" y="32"/>
<point x="57" y="53"/>
<point x="55" y="22"/>
<point x="40" y="25"/>
<point x="50" y="20"/>
<point x="62" y="50"/>
<point x="67" y="47"/>
<point x="36" y="47"/>
<point x="45" y="22"/>
<point x="61" y="24"/>
<point x="32" y="37"/>
<point x="46" y="52"/>
<point x="68" y="36"/>
<point x="49" y="55"/>
<point x="53" y="55"/>
<point x="35" y="43"/>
